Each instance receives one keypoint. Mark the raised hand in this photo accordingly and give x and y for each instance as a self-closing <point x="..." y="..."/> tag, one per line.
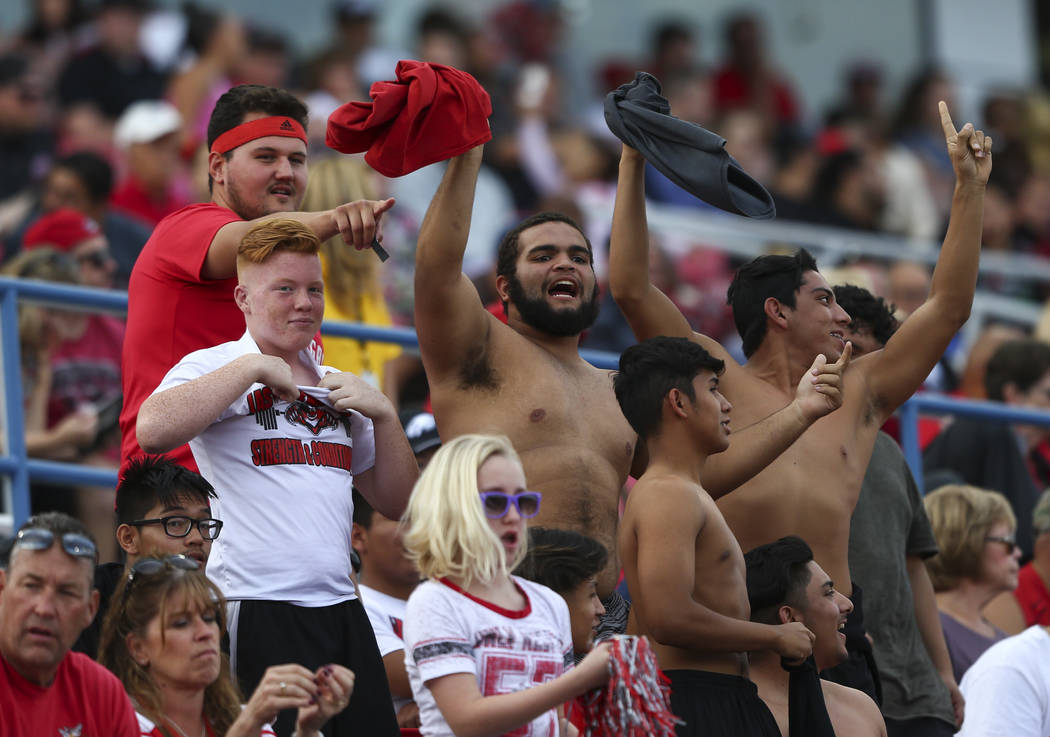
<point x="969" y="149"/>
<point x="359" y="222"/>
<point x="819" y="391"/>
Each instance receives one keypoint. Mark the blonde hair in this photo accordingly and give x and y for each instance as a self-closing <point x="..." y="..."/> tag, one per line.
<point x="45" y="264"/>
<point x="447" y="533"/>
<point x="278" y="234"/>
<point x="350" y="273"/>
<point x="130" y="613"/>
<point x="961" y="517"/>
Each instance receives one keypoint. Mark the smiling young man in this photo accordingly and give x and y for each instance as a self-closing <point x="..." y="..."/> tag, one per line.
<point x="785" y="584"/>
<point x="180" y="296"/>
<point x="786" y="314"/>
<point x="684" y="568"/>
<point x="284" y="440"/>
<point x="162" y="509"/>
<point x="525" y="379"/>
<point x="46" y="599"/>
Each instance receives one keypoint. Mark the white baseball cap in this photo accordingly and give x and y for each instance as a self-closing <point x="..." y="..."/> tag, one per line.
<point x="146" y="121"/>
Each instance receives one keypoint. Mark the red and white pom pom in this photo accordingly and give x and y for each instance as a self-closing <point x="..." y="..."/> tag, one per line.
<point x="636" y="700"/>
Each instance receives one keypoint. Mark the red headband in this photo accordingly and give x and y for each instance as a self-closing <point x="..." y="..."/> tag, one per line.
<point x="276" y="125"/>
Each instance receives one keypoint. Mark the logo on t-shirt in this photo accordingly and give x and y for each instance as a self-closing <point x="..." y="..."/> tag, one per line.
<point x="398" y="626"/>
<point x="71" y="731"/>
<point x="304" y="412"/>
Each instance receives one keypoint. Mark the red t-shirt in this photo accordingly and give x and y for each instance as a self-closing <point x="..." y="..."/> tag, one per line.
<point x="85" y="699"/>
<point x="173" y="311"/>
<point x="1033" y="597"/>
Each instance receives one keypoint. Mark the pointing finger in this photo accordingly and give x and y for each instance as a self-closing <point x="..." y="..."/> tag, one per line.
<point x="844" y="358"/>
<point x="946" y="120"/>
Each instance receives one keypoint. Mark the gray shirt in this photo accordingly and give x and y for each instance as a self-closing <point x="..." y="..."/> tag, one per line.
<point x="965" y="645"/>
<point x="889" y="523"/>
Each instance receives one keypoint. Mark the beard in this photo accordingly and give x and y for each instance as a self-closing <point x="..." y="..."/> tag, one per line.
<point x="249" y="208"/>
<point x="537" y="313"/>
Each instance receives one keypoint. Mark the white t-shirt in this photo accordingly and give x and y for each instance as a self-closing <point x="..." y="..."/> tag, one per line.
<point x="448" y="631"/>
<point x="283" y="474"/>
<point x="1007" y="689"/>
<point x="387" y="615"/>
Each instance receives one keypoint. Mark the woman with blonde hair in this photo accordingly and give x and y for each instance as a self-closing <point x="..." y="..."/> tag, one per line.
<point x="353" y="291"/>
<point x="487" y="653"/>
<point x="978" y="559"/>
<point x="161" y="639"/>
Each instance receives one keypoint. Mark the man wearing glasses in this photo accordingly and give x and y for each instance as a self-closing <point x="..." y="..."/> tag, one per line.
<point x="163" y="509"/>
<point x="46" y="599"/>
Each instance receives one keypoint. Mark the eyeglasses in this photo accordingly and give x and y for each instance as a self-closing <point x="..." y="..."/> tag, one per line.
<point x="153" y="566"/>
<point x="497" y="503"/>
<point x="98" y="259"/>
<point x="1007" y="540"/>
<point x="37" y="538"/>
<point x="179" y="525"/>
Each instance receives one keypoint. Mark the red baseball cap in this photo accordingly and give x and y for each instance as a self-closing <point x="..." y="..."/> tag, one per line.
<point x="62" y="229"/>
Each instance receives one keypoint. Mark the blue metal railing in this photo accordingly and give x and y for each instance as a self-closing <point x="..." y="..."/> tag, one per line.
<point x="21" y="469"/>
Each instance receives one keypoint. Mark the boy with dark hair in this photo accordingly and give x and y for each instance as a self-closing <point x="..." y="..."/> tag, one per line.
<point x="180" y="296"/>
<point x="810" y="489"/>
<point x="162" y="509"/>
<point x="779" y="277"/>
<point x="684" y="568"/>
<point x="785" y="584"/>
<point x="568" y="563"/>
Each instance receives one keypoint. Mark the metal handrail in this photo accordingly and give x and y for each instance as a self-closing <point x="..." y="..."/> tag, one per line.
<point x="16" y="466"/>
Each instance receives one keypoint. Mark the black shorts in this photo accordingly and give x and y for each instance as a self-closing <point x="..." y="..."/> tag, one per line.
<point x="716" y="704"/>
<point x="270" y="633"/>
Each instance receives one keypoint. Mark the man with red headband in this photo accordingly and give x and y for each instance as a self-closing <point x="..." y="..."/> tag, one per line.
<point x="180" y="297"/>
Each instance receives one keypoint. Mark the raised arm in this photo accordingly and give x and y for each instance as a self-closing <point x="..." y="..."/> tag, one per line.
<point x="175" y="416"/>
<point x="666" y="526"/>
<point x="754" y="447"/>
<point x="895" y="372"/>
<point x="450" y="319"/>
<point x="358" y="222"/>
<point x="648" y="310"/>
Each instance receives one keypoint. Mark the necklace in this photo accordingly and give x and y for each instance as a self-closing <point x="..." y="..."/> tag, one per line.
<point x="204" y="729"/>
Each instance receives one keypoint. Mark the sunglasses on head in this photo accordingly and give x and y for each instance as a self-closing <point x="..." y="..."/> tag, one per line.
<point x="153" y="566"/>
<point x="497" y="503"/>
<point x="37" y="538"/>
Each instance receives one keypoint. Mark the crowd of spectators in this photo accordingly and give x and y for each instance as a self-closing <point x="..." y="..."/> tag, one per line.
<point x="104" y="132"/>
